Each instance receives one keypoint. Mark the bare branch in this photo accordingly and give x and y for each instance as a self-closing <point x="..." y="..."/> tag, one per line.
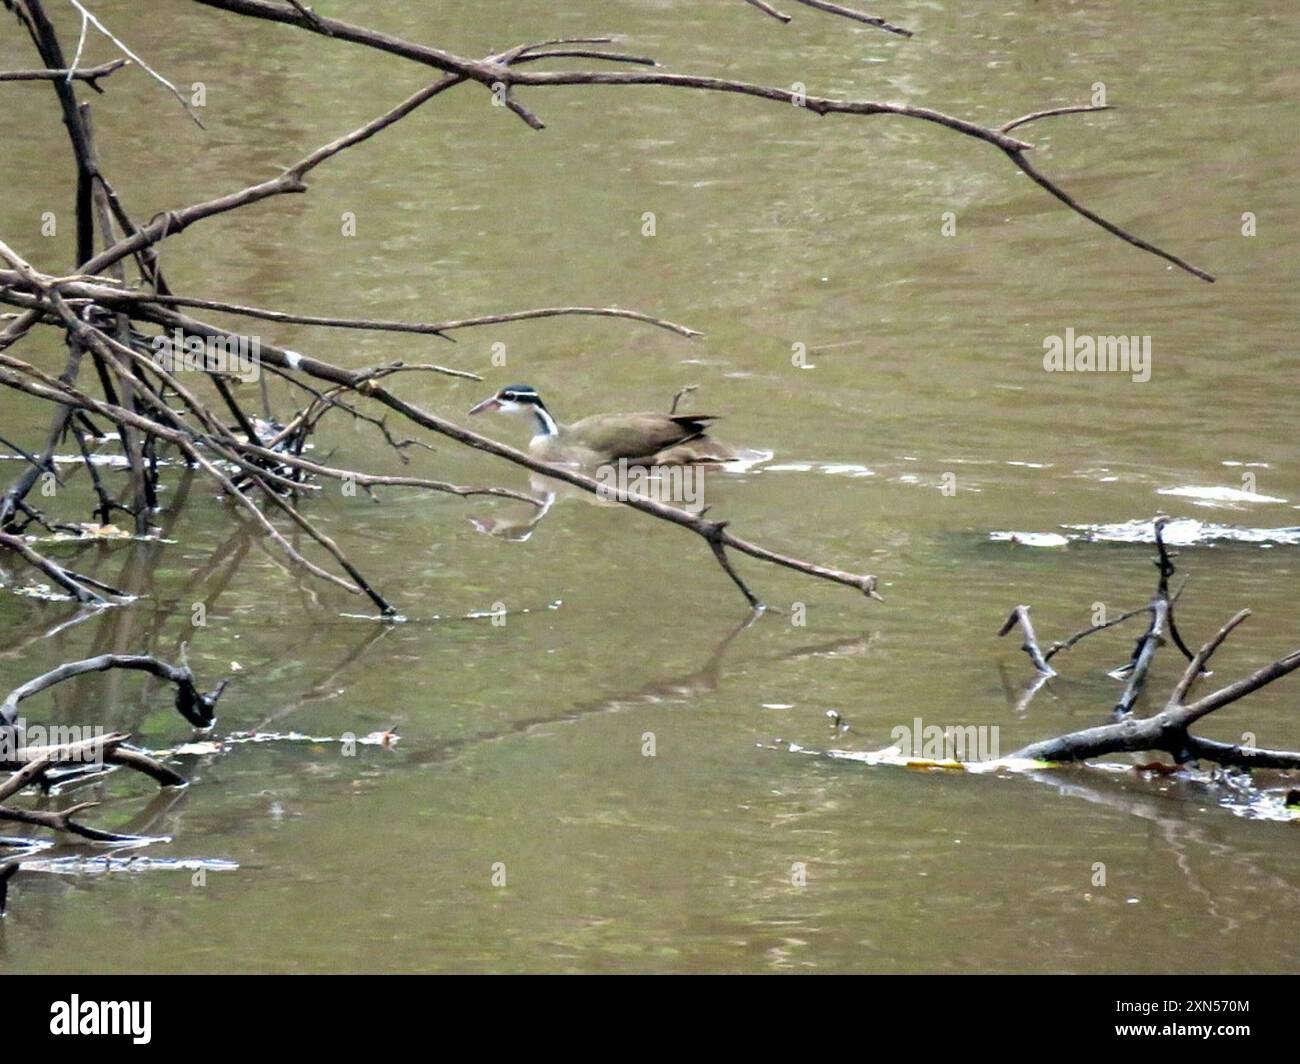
<point x="1167" y="731"/>
<point x="1066" y="644"/>
<point x="88" y="16"/>
<point x="193" y="705"/>
<point x="499" y="71"/>
<point x="768" y="9"/>
<point x="1233" y="691"/>
<point x="1018" y="157"/>
<point x="1020" y="615"/>
<point x="91" y="75"/>
<point x="76" y="585"/>
<point x="1051" y="112"/>
<point x="856" y="16"/>
<point x="94" y="288"/>
<point x="552" y="312"/>
<point x="61" y="820"/>
<point x="1197" y="665"/>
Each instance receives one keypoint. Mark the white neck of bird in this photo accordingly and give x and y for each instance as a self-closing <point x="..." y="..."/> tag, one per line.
<point x="546" y="425"/>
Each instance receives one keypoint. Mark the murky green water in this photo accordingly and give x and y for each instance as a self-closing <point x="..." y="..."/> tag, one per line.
<point x="521" y="744"/>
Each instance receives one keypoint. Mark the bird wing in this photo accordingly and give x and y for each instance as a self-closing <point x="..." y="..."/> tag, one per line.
<point x="633" y="436"/>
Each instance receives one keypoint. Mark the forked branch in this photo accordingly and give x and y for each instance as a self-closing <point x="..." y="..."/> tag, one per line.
<point x="195" y="706"/>
<point x="1168" y="730"/>
<point x="30" y="765"/>
<point x="502" y="73"/>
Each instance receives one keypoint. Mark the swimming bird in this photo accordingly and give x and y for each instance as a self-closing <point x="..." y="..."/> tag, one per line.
<point x="645" y="439"/>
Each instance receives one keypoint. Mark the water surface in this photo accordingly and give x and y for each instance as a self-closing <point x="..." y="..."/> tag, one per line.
<point x="521" y="745"/>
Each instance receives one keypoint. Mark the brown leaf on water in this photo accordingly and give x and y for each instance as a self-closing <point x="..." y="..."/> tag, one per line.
<point x="1158" y="768"/>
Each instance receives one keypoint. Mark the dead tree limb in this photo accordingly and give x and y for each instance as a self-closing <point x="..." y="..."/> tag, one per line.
<point x="1020" y="615"/>
<point x="1168" y="730"/>
<point x="61" y="820"/>
<point x="83" y="588"/>
<point x="502" y="72"/>
<point x="192" y="704"/>
<point x="31" y="763"/>
<point x="90" y="75"/>
<point x="833" y="9"/>
<point x="1052" y="112"/>
<point x="107" y="296"/>
<point x="856" y="16"/>
<point x="1066" y="644"/>
<point x="1160" y="609"/>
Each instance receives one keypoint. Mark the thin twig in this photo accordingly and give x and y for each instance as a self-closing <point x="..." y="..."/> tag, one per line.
<point x="131" y="55"/>
<point x="1066" y="644"/>
<point x="87" y="74"/>
<point x="1051" y="112"/>
<point x="1196" y="666"/>
<point x="856" y="16"/>
<point x="92" y="288"/>
<point x="768" y="9"/>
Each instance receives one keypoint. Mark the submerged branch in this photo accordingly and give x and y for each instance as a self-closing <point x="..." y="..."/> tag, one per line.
<point x="82" y="588"/>
<point x="192" y="704"/>
<point x="1168" y="730"/>
<point x="30" y="764"/>
<point x="1020" y="616"/>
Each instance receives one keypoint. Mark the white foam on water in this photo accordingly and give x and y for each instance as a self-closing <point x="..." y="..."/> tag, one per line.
<point x="1182" y="532"/>
<point x="1031" y="539"/>
<point x="1218" y="494"/>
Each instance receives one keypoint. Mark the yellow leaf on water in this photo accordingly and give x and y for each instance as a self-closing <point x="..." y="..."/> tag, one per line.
<point x="928" y="763"/>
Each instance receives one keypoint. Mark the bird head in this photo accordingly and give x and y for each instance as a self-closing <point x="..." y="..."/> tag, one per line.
<point x="512" y="399"/>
